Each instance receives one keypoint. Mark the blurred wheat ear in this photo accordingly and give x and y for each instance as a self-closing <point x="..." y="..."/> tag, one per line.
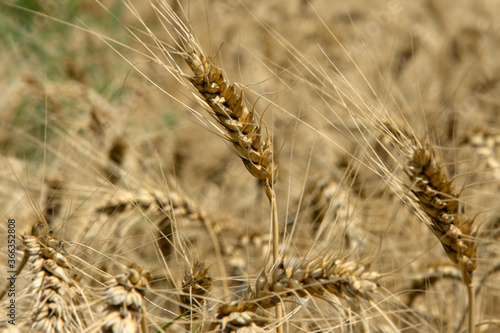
<point x="436" y="196"/>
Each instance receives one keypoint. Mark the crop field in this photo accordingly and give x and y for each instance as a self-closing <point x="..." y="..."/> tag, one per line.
<point x="250" y="166"/>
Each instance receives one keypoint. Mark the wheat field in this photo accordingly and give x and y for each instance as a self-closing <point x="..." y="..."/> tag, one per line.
<point x="250" y="166"/>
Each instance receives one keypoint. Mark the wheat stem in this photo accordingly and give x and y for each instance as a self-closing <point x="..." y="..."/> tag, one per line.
<point x="471" y="292"/>
<point x="275" y="233"/>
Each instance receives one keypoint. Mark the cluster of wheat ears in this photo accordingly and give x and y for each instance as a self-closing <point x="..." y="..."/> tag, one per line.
<point x="127" y="223"/>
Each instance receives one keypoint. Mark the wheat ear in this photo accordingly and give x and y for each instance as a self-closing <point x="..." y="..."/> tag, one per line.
<point x="54" y="288"/>
<point x="125" y="303"/>
<point x="435" y="194"/>
<point x="243" y="130"/>
<point x="227" y="105"/>
<point x="313" y="277"/>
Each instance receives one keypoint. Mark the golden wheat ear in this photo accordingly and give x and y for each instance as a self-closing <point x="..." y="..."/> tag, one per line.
<point x="56" y="293"/>
<point x="195" y="287"/>
<point x="124" y="298"/>
<point x="306" y="277"/>
<point x="228" y="107"/>
<point x="434" y="192"/>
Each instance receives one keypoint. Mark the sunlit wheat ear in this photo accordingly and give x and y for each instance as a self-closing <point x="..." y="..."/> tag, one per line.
<point x="124" y="297"/>
<point x="243" y="130"/>
<point x="228" y="106"/>
<point x="307" y="277"/>
<point x="167" y="209"/>
<point x="435" y="194"/>
<point x="53" y="201"/>
<point x="55" y="293"/>
<point x="424" y="281"/>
